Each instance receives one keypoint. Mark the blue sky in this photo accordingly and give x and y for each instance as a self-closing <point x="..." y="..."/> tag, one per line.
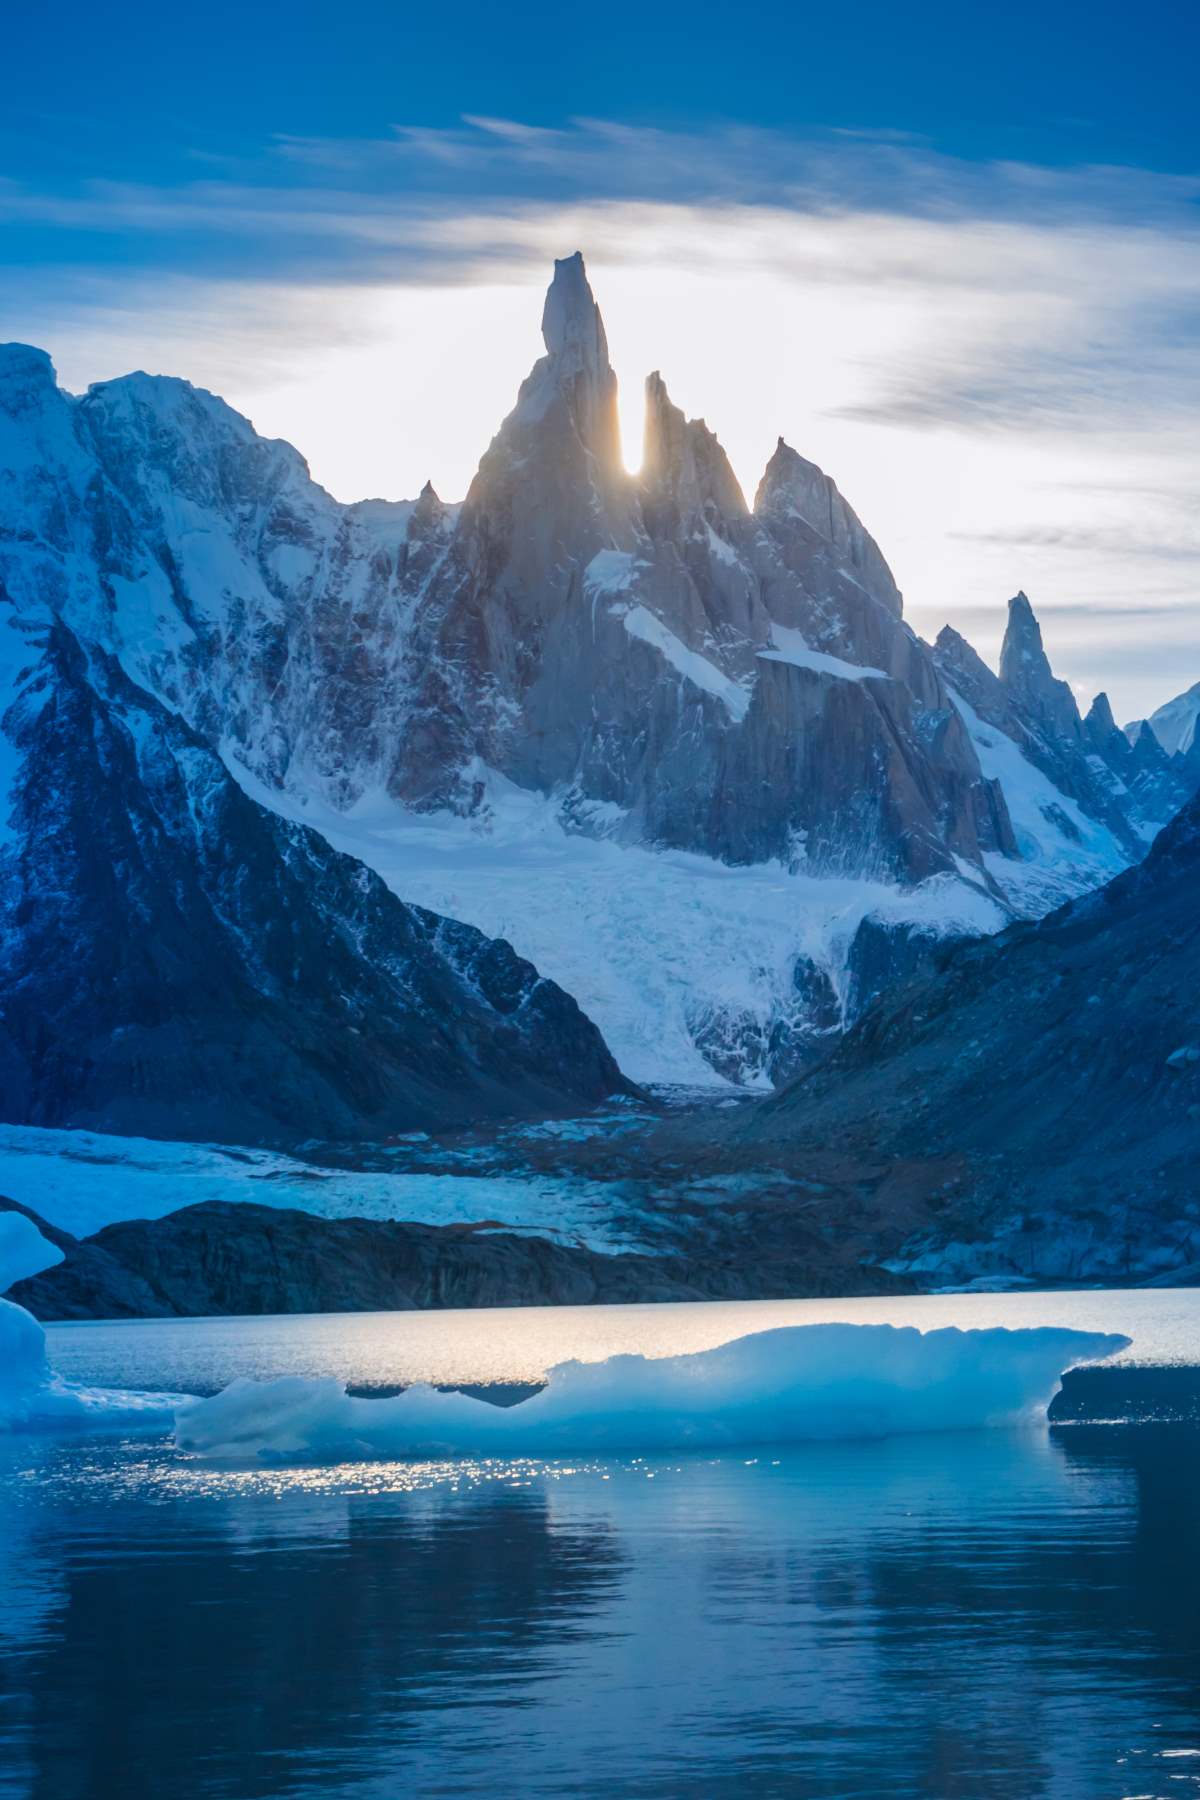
<point x="953" y="252"/>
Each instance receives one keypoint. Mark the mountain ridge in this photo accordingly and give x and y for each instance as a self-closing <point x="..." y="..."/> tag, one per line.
<point x="646" y="662"/>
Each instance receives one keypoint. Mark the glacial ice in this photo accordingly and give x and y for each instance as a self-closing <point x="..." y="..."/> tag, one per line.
<point x="32" y="1396"/>
<point x="783" y="1386"/>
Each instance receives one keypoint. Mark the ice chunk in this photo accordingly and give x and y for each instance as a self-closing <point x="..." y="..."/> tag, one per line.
<point x="23" y="1250"/>
<point x="31" y="1395"/>
<point x="783" y="1386"/>
<point x="23" y="1368"/>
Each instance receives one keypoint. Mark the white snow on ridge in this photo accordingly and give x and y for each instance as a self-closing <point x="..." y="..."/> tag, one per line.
<point x="647" y="941"/>
<point x="789" y="646"/>
<point x="641" y="623"/>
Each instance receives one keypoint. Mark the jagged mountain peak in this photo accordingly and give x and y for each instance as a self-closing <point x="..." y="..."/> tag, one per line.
<point x="1146" y="747"/>
<point x="1100" y="715"/>
<point x="572" y="328"/>
<point x="188" y="432"/>
<point x="794" y="491"/>
<point x="961" y="663"/>
<point x="571" y="392"/>
<point x="429" y="509"/>
<point x="1026" y="672"/>
<point x="683" y="459"/>
<point x="1022" y="655"/>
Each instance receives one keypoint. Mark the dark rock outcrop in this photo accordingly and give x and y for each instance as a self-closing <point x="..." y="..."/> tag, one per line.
<point x="221" y="1258"/>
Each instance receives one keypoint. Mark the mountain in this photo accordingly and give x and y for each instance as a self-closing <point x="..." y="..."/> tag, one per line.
<point x="684" y="752"/>
<point x="1173" y="725"/>
<point x="652" y="648"/>
<point x="178" y="961"/>
<point x="1035" y="1103"/>
<point x="1129" y="789"/>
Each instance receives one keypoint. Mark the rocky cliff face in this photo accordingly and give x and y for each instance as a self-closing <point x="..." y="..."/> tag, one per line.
<point x="178" y="961"/>
<point x="705" y="677"/>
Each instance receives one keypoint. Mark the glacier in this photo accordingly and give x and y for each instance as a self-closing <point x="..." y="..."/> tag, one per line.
<point x="687" y="964"/>
<point x="790" y="1385"/>
<point x="81" y="1181"/>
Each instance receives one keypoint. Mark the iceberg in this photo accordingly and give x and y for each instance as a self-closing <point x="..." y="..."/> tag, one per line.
<point x="32" y="1396"/>
<point x="773" y="1387"/>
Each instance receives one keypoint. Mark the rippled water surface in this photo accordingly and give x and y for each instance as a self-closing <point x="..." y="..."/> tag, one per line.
<point x="993" y="1613"/>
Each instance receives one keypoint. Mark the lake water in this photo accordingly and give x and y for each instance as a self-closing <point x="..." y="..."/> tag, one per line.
<point x="520" y="1343"/>
<point x="1007" y="1613"/>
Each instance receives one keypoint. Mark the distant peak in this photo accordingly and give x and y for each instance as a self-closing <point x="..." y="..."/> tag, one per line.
<point x="26" y="356"/>
<point x="571" y="324"/>
<point x="572" y="387"/>
<point x="1100" y="714"/>
<point x="1022" y="656"/>
<point x="26" y="376"/>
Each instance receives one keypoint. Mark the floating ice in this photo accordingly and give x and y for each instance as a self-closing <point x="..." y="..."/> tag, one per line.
<point x="796" y="1383"/>
<point x="32" y="1396"/>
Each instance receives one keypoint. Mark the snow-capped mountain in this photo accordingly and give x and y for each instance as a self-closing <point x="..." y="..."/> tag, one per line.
<point x="684" y="753"/>
<point x="1175" y="726"/>
<point x="178" y="961"/>
<point x="1099" y="778"/>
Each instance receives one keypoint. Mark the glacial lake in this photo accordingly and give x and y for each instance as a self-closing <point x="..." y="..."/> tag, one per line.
<point x="1006" y="1613"/>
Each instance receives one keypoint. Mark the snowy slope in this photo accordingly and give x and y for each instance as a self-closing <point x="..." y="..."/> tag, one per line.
<point x="1062" y="851"/>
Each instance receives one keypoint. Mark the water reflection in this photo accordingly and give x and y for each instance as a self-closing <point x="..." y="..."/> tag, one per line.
<point x="975" y="1615"/>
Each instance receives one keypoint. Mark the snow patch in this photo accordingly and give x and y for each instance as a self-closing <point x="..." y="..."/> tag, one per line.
<point x="789" y="646"/>
<point x="642" y="624"/>
<point x="610" y="572"/>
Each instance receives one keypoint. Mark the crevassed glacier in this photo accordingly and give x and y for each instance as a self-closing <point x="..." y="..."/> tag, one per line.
<point x="782" y="1386"/>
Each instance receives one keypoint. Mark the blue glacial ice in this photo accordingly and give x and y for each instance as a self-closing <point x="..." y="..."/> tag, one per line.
<point x="32" y="1396"/>
<point x="773" y="1387"/>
